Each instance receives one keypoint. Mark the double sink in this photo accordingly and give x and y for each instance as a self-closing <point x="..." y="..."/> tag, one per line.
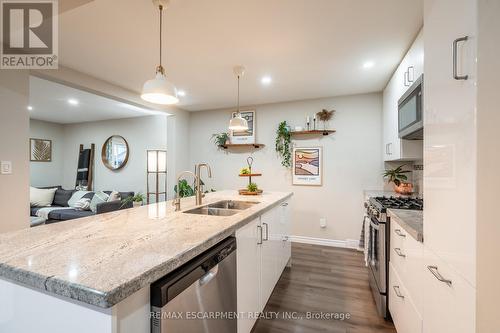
<point x="222" y="208"/>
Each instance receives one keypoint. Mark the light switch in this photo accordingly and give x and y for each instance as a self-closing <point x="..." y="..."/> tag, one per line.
<point x="6" y="167"/>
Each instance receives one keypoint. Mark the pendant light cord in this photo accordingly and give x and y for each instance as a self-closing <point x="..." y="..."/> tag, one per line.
<point x="161" y="19"/>
<point x="238" y="115"/>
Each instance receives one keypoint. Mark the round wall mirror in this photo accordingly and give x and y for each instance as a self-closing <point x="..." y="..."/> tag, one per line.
<point x="115" y="152"/>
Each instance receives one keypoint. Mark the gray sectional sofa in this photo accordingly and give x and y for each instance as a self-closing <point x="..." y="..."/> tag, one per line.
<point x="61" y="200"/>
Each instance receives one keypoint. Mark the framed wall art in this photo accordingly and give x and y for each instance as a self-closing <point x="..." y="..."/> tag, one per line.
<point x="307" y="168"/>
<point x="247" y="136"/>
<point x="40" y="150"/>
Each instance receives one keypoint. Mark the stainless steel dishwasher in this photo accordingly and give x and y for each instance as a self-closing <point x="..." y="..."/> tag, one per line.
<point x="200" y="296"/>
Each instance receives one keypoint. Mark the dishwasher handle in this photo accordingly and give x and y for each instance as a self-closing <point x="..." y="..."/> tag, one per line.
<point x="209" y="276"/>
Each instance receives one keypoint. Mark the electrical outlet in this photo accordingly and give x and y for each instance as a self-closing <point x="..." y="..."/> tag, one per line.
<point x="6" y="167"/>
<point x="322" y="222"/>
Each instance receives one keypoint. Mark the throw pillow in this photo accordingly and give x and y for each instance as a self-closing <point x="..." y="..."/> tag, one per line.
<point x="77" y="196"/>
<point x="82" y="204"/>
<point x="62" y="197"/>
<point x="41" y="197"/>
<point x="99" y="197"/>
<point x="114" y="196"/>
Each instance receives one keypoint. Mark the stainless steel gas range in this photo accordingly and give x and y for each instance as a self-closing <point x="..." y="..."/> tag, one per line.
<point x="376" y="210"/>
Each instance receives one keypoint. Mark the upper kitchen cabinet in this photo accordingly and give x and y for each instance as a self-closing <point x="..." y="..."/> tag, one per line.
<point x="410" y="68"/>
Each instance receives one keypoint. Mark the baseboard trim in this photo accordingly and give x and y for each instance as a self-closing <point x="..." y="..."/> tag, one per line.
<point x="348" y="244"/>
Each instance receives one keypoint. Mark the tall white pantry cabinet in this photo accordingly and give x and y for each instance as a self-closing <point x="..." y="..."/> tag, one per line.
<point x="452" y="152"/>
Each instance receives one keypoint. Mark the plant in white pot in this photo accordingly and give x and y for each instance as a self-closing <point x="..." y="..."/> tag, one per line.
<point x="136" y="200"/>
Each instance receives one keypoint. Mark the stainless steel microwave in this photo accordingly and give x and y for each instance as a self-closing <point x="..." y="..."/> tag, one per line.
<point x="410" y="112"/>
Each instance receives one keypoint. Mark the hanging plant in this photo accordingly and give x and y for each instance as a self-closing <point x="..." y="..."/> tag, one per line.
<point x="220" y="139"/>
<point x="283" y="144"/>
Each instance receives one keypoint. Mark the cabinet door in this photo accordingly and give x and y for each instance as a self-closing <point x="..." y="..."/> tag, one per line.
<point x="269" y="254"/>
<point x="285" y="227"/>
<point x="447" y="307"/>
<point x="450" y="134"/>
<point x="248" y="261"/>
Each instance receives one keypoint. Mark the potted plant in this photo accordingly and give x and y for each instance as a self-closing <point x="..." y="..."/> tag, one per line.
<point x="220" y="139"/>
<point x="185" y="190"/>
<point x="283" y="144"/>
<point x="325" y="116"/>
<point x="136" y="200"/>
<point x="398" y="177"/>
<point x="252" y="187"/>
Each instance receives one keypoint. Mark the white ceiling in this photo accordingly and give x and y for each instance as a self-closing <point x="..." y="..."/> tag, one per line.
<point x="311" y="48"/>
<point x="50" y="102"/>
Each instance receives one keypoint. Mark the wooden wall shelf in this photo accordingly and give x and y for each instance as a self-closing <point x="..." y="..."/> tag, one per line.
<point x="250" y="175"/>
<point x="312" y="132"/>
<point x="242" y="145"/>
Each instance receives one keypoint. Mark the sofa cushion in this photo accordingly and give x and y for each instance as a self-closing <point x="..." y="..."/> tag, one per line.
<point x="69" y="214"/>
<point x="99" y="197"/>
<point x="77" y="195"/>
<point x="62" y="197"/>
<point x="41" y="197"/>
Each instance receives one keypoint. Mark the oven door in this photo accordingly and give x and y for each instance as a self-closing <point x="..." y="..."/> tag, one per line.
<point x="378" y="255"/>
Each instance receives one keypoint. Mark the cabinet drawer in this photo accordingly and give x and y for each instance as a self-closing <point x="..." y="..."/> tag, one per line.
<point x="404" y="314"/>
<point x="407" y="258"/>
<point x="447" y="307"/>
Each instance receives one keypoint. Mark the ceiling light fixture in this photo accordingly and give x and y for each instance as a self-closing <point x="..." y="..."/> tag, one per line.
<point x="73" y="101"/>
<point x="30" y="107"/>
<point x="159" y="90"/>
<point x="368" y="64"/>
<point x="266" y="80"/>
<point x="181" y="93"/>
<point x="238" y="123"/>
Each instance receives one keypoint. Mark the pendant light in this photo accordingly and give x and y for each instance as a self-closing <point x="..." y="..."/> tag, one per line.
<point x="159" y="90"/>
<point x="238" y="123"/>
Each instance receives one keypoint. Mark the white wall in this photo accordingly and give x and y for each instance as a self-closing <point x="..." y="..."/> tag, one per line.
<point x="352" y="160"/>
<point x="14" y="188"/>
<point x="141" y="133"/>
<point x="178" y="147"/>
<point x="48" y="173"/>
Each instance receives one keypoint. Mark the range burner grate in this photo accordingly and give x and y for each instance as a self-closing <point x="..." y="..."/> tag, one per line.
<point x="401" y="202"/>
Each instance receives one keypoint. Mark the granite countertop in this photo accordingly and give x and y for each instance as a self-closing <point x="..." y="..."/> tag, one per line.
<point x="412" y="221"/>
<point x="103" y="259"/>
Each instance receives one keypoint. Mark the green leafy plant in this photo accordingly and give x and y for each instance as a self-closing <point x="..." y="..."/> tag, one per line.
<point x="139" y="197"/>
<point x="220" y="139"/>
<point x="245" y="171"/>
<point x="185" y="190"/>
<point x="396" y="176"/>
<point x="283" y="144"/>
<point x="252" y="187"/>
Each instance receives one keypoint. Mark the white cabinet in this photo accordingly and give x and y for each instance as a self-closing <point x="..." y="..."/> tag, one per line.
<point x="450" y="134"/>
<point x="248" y="261"/>
<point x="270" y="253"/>
<point x="410" y="68"/>
<point x="450" y="169"/>
<point x="449" y="306"/>
<point x="263" y="250"/>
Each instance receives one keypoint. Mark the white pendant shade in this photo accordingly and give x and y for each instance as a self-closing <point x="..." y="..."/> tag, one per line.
<point x="238" y="124"/>
<point x="159" y="91"/>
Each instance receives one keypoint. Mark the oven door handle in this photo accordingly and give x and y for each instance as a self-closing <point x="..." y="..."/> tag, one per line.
<point x="374" y="226"/>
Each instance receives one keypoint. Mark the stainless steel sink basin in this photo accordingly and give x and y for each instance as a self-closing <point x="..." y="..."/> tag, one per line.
<point x="222" y="208"/>
<point x="232" y="204"/>
<point x="206" y="210"/>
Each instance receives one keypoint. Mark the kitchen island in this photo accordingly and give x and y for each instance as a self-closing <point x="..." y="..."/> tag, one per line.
<point x="93" y="274"/>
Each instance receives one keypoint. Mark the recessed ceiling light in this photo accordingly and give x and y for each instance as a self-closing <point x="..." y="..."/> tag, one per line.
<point x="181" y="93"/>
<point x="368" y="64"/>
<point x="73" y="101"/>
<point x="266" y="80"/>
<point x="30" y="107"/>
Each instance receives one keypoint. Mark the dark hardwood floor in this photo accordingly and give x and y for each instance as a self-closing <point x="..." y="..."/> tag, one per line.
<point x="328" y="280"/>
